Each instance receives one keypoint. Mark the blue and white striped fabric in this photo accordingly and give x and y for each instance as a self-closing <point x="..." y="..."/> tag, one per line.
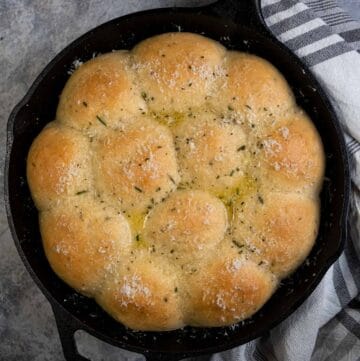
<point x="327" y="325"/>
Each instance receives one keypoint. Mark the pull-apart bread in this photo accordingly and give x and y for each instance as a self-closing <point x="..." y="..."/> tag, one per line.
<point x="178" y="184"/>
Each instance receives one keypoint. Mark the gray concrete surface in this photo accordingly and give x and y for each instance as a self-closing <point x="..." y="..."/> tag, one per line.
<point x="31" y="33"/>
<point x="352" y="6"/>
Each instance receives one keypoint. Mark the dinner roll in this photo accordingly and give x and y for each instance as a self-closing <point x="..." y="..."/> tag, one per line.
<point x="186" y="225"/>
<point x="292" y="156"/>
<point x="253" y="89"/>
<point x="58" y="165"/>
<point x="84" y="241"/>
<point x="212" y="153"/>
<point x="101" y="93"/>
<point x="226" y="291"/>
<point x="143" y="297"/>
<point x="278" y="228"/>
<point x="136" y="167"/>
<point x="177" y="71"/>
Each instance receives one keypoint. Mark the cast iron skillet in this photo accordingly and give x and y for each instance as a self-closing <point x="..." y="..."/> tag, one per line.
<point x="238" y="25"/>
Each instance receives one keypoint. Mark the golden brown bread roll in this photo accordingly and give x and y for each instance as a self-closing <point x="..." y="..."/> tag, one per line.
<point x="58" y="165"/>
<point x="136" y="166"/>
<point x="210" y="153"/>
<point x="186" y="225"/>
<point x="101" y="93"/>
<point x="292" y="156"/>
<point x="226" y="291"/>
<point x="143" y="297"/>
<point x="178" y="72"/>
<point x="179" y="183"/>
<point x="253" y="88"/>
<point x="277" y="228"/>
<point x="84" y="241"/>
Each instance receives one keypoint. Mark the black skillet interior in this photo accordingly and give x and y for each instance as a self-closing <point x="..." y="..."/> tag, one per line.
<point x="236" y="25"/>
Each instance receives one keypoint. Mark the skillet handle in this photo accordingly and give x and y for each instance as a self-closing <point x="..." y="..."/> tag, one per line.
<point x="67" y="328"/>
<point x="245" y="12"/>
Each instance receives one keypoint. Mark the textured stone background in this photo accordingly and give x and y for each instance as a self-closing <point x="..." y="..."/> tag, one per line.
<point x="32" y="32"/>
<point x="352" y="6"/>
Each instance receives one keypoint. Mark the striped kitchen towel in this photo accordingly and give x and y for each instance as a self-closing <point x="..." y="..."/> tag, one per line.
<point x="327" y="325"/>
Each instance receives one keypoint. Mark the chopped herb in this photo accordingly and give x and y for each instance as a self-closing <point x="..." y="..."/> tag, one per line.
<point x="138" y="189"/>
<point x="260" y="199"/>
<point x="230" y="108"/>
<point x="143" y="95"/>
<point x="81" y="192"/>
<point x="232" y="173"/>
<point x="158" y="189"/>
<point x="237" y="244"/>
<point x="243" y="147"/>
<point x="175" y="289"/>
<point x="217" y="177"/>
<point x="165" y="299"/>
<point x="265" y="109"/>
<point x="138" y="237"/>
<point x="190" y="84"/>
<point x="101" y="121"/>
<point x="172" y="179"/>
<point x="248" y="106"/>
<point x="172" y="251"/>
<point x="84" y="104"/>
<point x="260" y="263"/>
